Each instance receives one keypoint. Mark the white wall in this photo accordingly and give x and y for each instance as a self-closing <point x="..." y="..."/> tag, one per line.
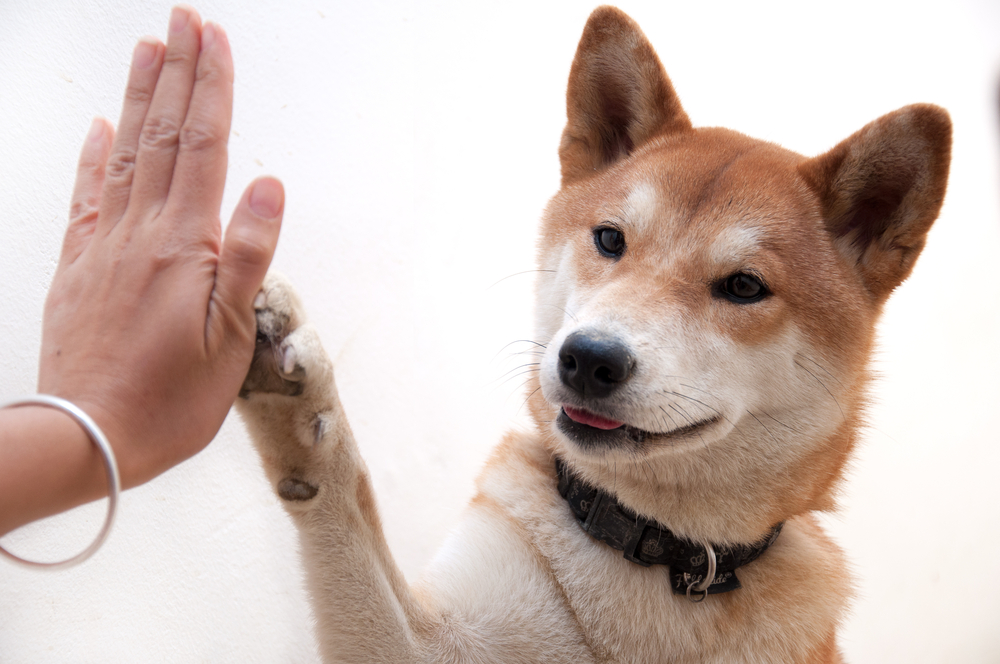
<point x="417" y="142"/>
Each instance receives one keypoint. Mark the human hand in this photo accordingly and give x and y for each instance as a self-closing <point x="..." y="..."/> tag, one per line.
<point x="149" y="324"/>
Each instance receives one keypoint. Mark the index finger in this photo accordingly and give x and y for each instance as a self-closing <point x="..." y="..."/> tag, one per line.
<point x="200" y="172"/>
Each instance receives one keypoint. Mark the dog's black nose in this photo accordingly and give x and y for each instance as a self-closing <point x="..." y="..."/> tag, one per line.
<point x="594" y="365"/>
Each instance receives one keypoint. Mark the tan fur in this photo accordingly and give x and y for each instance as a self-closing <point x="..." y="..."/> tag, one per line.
<point x="751" y="409"/>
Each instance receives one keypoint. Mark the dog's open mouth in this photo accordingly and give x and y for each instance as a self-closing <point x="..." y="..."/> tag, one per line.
<point x="589" y="429"/>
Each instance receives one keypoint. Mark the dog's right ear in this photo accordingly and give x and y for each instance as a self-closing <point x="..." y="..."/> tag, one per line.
<point x="618" y="97"/>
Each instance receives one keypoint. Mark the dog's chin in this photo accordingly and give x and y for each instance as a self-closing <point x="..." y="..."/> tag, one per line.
<point x="624" y="437"/>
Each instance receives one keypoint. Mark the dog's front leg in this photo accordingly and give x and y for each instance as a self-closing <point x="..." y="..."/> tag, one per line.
<point x="365" y="610"/>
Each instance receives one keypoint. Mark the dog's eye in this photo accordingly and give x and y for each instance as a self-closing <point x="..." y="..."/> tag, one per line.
<point x="743" y="288"/>
<point x="609" y="241"/>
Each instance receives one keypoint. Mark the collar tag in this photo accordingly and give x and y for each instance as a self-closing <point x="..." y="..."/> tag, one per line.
<point x="723" y="583"/>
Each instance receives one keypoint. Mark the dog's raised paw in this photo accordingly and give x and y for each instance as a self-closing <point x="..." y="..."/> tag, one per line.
<point x="276" y="367"/>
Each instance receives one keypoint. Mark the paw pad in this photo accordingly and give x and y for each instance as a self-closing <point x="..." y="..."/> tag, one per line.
<point x="296" y="490"/>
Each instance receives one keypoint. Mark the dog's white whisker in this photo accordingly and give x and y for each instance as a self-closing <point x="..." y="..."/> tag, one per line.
<point x="823" y="385"/>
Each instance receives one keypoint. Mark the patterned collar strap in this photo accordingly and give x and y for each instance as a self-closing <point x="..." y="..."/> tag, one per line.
<point x="646" y="543"/>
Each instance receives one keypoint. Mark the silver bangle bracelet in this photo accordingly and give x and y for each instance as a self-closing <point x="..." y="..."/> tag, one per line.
<point x="110" y="467"/>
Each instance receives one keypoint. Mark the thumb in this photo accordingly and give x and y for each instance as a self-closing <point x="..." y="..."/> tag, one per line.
<point x="249" y="243"/>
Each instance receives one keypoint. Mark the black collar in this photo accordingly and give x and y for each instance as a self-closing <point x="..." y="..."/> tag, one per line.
<point x="646" y="543"/>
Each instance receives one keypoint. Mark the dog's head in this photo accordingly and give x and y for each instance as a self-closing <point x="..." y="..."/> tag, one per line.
<point x="707" y="300"/>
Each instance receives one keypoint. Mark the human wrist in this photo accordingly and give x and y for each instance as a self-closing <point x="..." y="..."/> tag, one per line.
<point x="45" y="433"/>
<point x="48" y="464"/>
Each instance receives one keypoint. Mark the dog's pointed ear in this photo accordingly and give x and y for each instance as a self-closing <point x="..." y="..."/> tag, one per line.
<point x="881" y="189"/>
<point x="618" y="97"/>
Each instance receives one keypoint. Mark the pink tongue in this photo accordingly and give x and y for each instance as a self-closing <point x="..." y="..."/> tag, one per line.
<point x="591" y="420"/>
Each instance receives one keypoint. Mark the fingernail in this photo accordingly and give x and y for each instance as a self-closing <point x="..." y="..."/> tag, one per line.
<point x="266" y="198"/>
<point x="207" y="37"/>
<point x="145" y="53"/>
<point x="96" y="130"/>
<point x="178" y="19"/>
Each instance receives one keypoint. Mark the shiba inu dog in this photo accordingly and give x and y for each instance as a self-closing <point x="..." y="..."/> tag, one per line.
<point x="706" y="307"/>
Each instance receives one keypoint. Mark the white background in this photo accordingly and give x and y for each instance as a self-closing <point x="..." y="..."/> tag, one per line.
<point x="417" y="142"/>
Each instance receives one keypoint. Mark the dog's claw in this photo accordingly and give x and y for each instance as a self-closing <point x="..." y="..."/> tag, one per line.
<point x="288" y="362"/>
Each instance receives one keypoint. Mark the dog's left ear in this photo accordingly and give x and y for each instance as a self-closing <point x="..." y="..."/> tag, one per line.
<point x="881" y="189"/>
